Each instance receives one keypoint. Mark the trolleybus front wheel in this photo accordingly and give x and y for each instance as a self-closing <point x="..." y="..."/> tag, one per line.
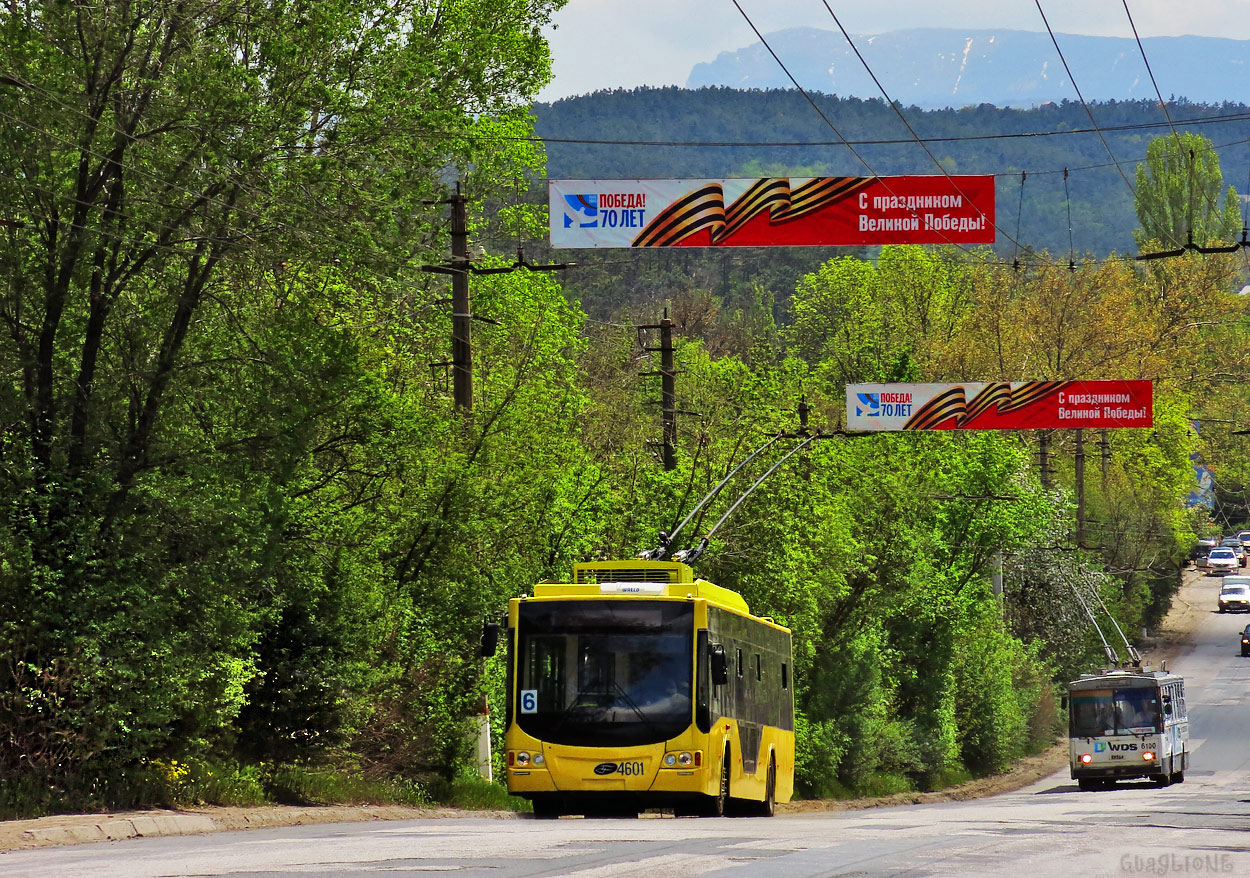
<point x="715" y="805"/>
<point x="768" y="807"/>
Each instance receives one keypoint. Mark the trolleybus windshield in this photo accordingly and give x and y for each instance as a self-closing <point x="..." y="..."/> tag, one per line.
<point x="605" y="672"/>
<point x="1098" y="712"/>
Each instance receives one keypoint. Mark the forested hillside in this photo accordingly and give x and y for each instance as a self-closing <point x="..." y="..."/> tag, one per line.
<point x="690" y="131"/>
<point x="247" y="540"/>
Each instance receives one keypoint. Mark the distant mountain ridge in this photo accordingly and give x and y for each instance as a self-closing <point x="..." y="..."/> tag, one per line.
<point x="939" y="67"/>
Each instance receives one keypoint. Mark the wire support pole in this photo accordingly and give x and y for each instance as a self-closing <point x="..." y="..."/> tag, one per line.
<point x="462" y="317"/>
<point x="1080" y="487"/>
<point x="668" y="393"/>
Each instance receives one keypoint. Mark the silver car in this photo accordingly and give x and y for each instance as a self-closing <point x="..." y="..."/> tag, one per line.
<point x="1222" y="561"/>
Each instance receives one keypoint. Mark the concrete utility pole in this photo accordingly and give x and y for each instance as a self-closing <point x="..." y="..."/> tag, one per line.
<point x="1105" y="447"/>
<point x="668" y="389"/>
<point x="1080" y="487"/>
<point x="461" y="316"/>
<point x="1043" y="455"/>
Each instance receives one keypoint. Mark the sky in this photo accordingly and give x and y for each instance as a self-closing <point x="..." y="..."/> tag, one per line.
<point x="606" y="44"/>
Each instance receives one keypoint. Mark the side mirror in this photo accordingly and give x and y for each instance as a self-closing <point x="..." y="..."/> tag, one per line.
<point x="1167" y="706"/>
<point x="720" y="665"/>
<point x="490" y="639"/>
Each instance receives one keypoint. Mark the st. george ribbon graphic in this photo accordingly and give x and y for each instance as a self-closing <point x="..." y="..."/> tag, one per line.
<point x="705" y="208"/>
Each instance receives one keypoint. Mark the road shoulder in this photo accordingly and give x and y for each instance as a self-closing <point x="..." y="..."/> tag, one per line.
<point x="1187" y="612"/>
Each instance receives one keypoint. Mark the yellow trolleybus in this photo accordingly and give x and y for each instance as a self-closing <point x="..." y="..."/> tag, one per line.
<point x="638" y="686"/>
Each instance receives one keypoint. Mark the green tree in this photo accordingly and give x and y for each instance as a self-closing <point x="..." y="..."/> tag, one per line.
<point x="1178" y="195"/>
<point x="195" y="194"/>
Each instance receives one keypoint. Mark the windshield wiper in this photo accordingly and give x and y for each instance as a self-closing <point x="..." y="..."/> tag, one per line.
<point x="632" y="705"/>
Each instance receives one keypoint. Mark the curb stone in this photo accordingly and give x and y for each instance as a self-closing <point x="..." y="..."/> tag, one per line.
<point x="67" y="829"/>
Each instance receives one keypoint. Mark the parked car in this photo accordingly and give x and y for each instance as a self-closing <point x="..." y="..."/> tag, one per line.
<point x="1235" y="544"/>
<point x="1235" y="598"/>
<point x="1244" y="536"/>
<point x="1245" y="641"/>
<point x="1200" y="561"/>
<point x="1201" y="548"/>
<point x="1222" y="561"/>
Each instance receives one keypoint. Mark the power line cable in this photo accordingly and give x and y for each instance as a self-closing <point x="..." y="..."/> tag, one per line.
<point x="1141" y="48"/>
<point x="1084" y="104"/>
<point x="907" y="124"/>
<point x="884" y="141"/>
<point x="827" y="121"/>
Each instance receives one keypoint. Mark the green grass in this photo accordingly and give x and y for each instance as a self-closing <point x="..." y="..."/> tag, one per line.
<point x="295" y="785"/>
<point x="475" y="794"/>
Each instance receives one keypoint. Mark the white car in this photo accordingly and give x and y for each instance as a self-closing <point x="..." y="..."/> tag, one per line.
<point x="1222" y="561"/>
<point x="1234" y="597"/>
<point x="1244" y="536"/>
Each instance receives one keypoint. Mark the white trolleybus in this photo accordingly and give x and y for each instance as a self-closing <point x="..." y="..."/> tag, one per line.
<point x="1126" y="724"/>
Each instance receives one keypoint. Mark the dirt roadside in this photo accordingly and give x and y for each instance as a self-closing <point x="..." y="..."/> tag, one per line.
<point x="1190" y="606"/>
<point x="1188" y="610"/>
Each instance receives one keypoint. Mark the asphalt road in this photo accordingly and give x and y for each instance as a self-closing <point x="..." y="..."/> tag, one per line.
<point x="1047" y="830"/>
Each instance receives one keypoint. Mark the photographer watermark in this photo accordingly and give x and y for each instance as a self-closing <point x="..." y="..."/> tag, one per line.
<point x="1177" y="864"/>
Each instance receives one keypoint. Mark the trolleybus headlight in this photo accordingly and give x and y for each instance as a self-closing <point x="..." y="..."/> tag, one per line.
<point x="539" y="759"/>
<point x="1086" y="759"/>
<point x="685" y="759"/>
<point x="1148" y="756"/>
<point x="670" y="759"/>
<point x="522" y="758"/>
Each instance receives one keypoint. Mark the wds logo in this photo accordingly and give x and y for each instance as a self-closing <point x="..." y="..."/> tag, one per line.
<point x="1099" y="746"/>
<point x="871" y="403"/>
<point x="585" y="211"/>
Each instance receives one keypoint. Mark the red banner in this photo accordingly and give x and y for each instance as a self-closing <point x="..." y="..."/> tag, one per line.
<point x="772" y="212"/>
<point x="1000" y="405"/>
